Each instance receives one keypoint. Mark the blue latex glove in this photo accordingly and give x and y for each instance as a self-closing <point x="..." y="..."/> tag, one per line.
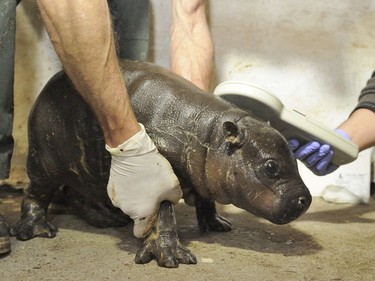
<point x="317" y="157"/>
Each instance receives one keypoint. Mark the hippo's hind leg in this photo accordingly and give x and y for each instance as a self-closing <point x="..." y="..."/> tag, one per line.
<point x="163" y="243"/>
<point x="208" y="218"/>
<point x="33" y="221"/>
<point x="99" y="213"/>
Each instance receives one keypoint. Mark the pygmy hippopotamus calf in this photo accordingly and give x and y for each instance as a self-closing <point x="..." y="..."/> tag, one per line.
<point x="218" y="152"/>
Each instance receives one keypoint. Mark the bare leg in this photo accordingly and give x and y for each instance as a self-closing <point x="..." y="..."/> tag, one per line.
<point x="191" y="49"/>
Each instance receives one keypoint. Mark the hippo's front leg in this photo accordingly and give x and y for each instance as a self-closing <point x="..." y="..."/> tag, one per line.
<point x="163" y="243"/>
<point x="208" y="218"/>
<point x="33" y="221"/>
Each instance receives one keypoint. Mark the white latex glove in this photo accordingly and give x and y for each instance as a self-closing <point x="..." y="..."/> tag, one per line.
<point x="140" y="179"/>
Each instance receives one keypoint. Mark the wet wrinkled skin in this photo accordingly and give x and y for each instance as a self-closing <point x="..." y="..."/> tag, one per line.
<point x="219" y="153"/>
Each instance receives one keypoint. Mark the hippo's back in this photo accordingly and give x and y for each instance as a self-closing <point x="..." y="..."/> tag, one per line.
<point x="162" y="99"/>
<point x="66" y="145"/>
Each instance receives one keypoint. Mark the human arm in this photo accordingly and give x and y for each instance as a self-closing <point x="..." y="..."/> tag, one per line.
<point x="191" y="47"/>
<point x="359" y="128"/>
<point x="82" y="36"/>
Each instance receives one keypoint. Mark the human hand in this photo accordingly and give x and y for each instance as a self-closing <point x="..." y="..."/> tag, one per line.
<point x="140" y="179"/>
<point x="317" y="157"/>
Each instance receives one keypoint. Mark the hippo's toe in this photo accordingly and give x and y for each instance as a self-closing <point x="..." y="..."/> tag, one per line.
<point x="169" y="254"/>
<point x="26" y="229"/>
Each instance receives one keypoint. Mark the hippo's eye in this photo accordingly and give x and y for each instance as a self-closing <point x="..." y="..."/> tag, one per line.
<point x="271" y="168"/>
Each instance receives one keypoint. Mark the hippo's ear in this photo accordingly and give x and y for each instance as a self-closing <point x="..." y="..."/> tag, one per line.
<point x="233" y="137"/>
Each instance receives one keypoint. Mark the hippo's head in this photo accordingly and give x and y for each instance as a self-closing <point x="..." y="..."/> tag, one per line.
<point x="252" y="167"/>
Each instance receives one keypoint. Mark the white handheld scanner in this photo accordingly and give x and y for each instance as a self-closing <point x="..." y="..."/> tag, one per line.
<point x="291" y="123"/>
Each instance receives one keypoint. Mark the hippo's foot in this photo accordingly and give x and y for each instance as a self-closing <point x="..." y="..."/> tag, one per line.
<point x="33" y="223"/>
<point x="214" y="223"/>
<point x="163" y="243"/>
<point x="208" y="218"/>
<point x="166" y="249"/>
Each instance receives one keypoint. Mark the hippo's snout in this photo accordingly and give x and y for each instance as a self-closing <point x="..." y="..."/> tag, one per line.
<point x="290" y="206"/>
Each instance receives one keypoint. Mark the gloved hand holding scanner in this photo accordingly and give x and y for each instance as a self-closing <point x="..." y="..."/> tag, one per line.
<point x="320" y="148"/>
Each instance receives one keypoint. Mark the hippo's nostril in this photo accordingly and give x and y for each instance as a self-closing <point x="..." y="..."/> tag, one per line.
<point x="302" y="200"/>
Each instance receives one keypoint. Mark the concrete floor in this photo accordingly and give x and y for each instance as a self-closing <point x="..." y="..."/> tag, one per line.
<point x="330" y="242"/>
